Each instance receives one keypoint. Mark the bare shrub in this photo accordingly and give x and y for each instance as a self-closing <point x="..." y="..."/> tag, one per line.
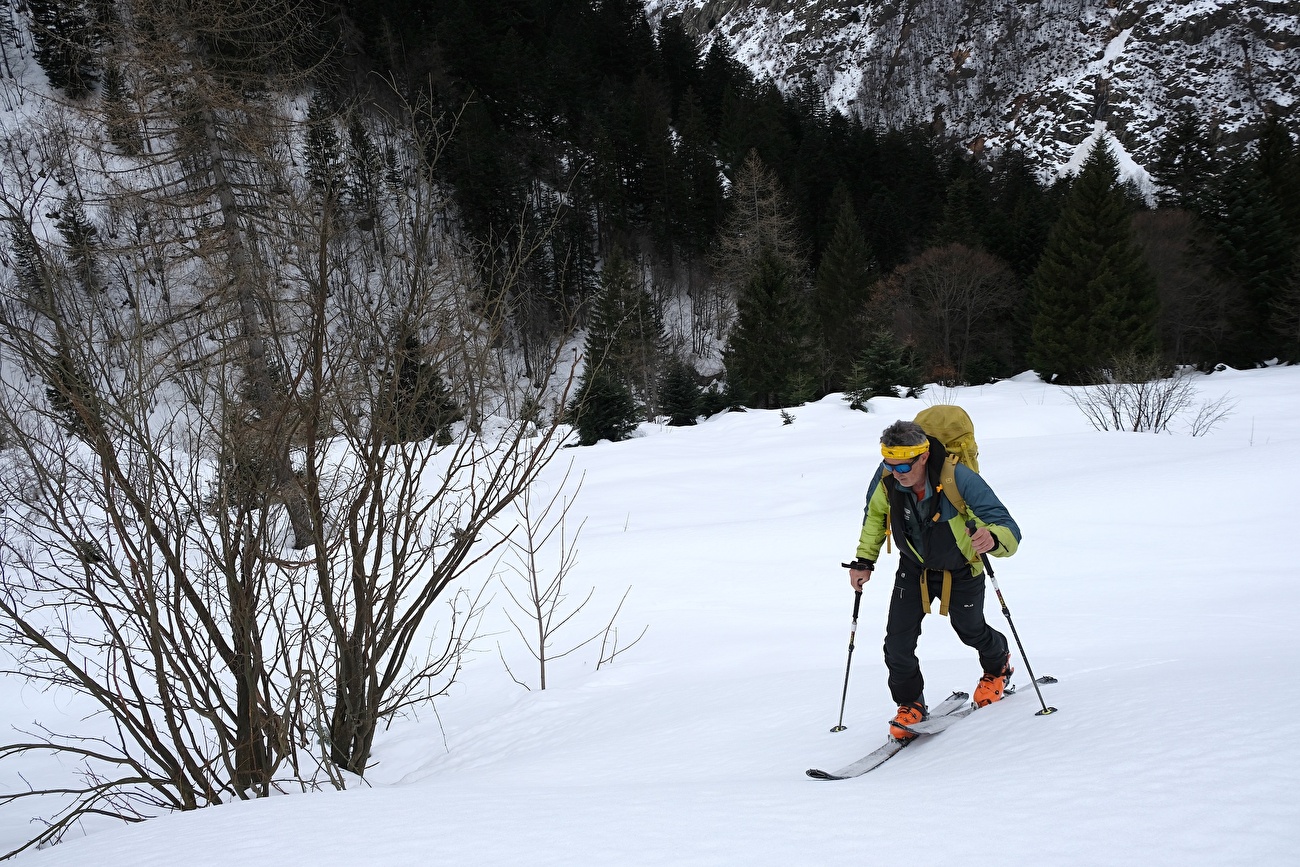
<point x="1142" y="393"/>
<point x="539" y="594"/>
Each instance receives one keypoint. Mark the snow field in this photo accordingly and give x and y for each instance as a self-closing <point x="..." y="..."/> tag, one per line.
<point x="1156" y="580"/>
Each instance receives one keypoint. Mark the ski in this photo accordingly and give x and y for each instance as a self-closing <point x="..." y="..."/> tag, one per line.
<point x="935" y="724"/>
<point x="954" y="703"/>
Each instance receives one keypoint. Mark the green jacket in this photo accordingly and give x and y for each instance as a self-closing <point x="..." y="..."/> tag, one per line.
<point x="932" y="532"/>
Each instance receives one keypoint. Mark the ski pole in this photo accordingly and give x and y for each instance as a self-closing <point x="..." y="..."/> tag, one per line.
<point x="853" y="630"/>
<point x="988" y="567"/>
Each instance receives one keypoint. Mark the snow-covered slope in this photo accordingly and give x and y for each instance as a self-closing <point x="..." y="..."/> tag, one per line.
<point x="1156" y="580"/>
<point x="1038" y="74"/>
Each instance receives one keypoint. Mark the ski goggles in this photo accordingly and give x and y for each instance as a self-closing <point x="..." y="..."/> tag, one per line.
<point x="900" y="468"/>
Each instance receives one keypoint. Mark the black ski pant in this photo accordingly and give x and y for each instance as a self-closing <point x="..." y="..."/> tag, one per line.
<point x="903" y="628"/>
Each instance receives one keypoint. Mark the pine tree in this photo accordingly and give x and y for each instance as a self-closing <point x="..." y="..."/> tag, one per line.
<point x="844" y="280"/>
<point x="119" y="121"/>
<point x="769" y="356"/>
<point x="884" y="364"/>
<point x="1093" y="295"/>
<point x="67" y="36"/>
<point x="680" y="394"/>
<point x="80" y="239"/>
<point x="625" y="329"/>
<point x="323" y="151"/>
<point x="602" y="408"/>
<point x="418" y="404"/>
<point x="1186" y="161"/>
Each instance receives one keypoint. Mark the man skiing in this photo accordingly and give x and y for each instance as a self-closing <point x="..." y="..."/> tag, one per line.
<point x="938" y="557"/>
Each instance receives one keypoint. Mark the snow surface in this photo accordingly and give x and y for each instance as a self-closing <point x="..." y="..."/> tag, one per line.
<point x="1157" y="580"/>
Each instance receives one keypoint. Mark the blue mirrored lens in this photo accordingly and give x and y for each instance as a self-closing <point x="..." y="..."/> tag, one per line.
<point x="900" y="468"/>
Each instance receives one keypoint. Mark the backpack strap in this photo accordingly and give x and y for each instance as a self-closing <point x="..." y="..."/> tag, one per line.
<point x="948" y="484"/>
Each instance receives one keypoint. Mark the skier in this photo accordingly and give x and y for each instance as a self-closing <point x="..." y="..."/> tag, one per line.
<point x="938" y="557"/>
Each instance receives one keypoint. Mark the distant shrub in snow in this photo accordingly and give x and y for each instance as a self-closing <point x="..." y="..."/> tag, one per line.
<point x="1139" y="392"/>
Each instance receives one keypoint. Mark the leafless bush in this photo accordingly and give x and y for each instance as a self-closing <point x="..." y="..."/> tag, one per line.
<point x="213" y="529"/>
<point x="1142" y="393"/>
<point x="539" y="594"/>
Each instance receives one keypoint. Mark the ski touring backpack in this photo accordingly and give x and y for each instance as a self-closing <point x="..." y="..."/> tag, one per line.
<point x="951" y="426"/>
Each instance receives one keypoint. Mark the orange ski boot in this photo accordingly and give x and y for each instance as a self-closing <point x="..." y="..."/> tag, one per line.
<point x="992" y="686"/>
<point x="908" y="714"/>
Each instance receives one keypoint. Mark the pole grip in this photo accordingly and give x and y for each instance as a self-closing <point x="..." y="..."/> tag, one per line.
<point x="857" y="601"/>
<point x="984" y="558"/>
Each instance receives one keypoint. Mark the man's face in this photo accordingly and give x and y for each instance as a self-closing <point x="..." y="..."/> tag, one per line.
<point x="915" y="472"/>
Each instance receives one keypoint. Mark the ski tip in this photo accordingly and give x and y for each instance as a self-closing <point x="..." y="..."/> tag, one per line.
<point x="821" y="775"/>
<point x="1047" y="678"/>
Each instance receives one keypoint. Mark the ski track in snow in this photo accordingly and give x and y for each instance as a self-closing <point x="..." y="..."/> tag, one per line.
<point x="1156" y="580"/>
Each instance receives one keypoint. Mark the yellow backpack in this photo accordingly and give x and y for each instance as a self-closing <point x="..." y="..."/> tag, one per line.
<point x="951" y="426"/>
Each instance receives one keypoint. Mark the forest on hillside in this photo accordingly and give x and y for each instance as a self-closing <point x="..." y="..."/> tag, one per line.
<point x="638" y="144"/>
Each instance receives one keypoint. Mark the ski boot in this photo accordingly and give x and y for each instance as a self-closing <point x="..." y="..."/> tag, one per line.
<point x="908" y="714"/>
<point x="992" y="687"/>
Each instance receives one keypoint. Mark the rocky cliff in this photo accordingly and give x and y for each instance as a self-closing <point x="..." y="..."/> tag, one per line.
<point x="1043" y="75"/>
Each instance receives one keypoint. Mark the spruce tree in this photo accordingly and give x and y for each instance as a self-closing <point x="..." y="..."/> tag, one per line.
<point x="67" y="36"/>
<point x="769" y="356"/>
<point x="844" y="280"/>
<point x="884" y="364"/>
<point x="80" y="238"/>
<point x="603" y="408"/>
<point x="418" y="404"/>
<point x="1254" y="251"/>
<point x="323" y="151"/>
<point x="1093" y="296"/>
<point x="363" y="178"/>
<point x="679" y="393"/>
<point x="1185" y="161"/>
<point x="625" y="329"/>
<point x="119" y="121"/>
<point x="958" y="223"/>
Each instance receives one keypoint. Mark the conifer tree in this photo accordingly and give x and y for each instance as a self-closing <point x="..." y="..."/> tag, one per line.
<point x="698" y="164"/>
<point x="119" y="121"/>
<point x="1185" y="162"/>
<point x="418" y="404"/>
<point x="323" y="151"/>
<point x="770" y="354"/>
<point x="1093" y="295"/>
<point x="79" y="237"/>
<point x="625" y="330"/>
<point x="679" y="393"/>
<point x="882" y="365"/>
<point x="844" y="279"/>
<point x="67" y="35"/>
<point x="602" y="408"/>
<point x="364" y="174"/>
<point x="958" y="223"/>
<point x="760" y="224"/>
<point x="1254" y="251"/>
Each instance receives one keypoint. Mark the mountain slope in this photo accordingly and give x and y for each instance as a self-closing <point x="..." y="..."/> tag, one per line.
<point x="1038" y="75"/>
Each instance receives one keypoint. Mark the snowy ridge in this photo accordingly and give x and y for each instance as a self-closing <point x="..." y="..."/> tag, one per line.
<point x="1038" y="76"/>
